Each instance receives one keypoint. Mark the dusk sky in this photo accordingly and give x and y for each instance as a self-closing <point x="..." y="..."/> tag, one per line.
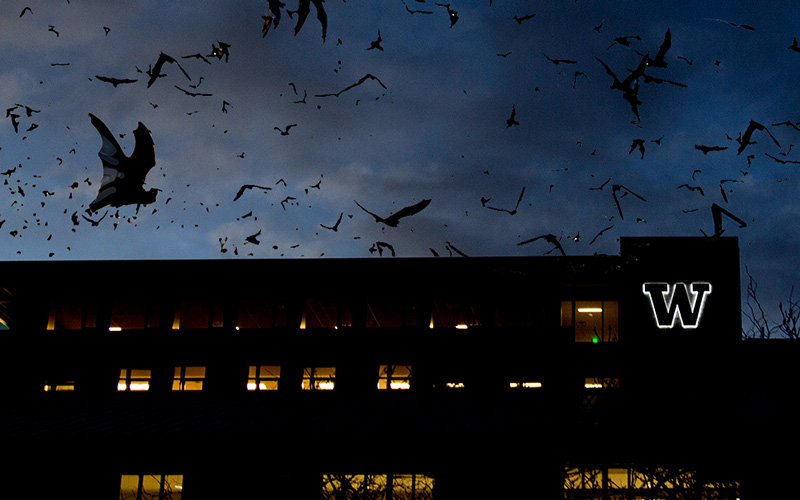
<point x="433" y="123"/>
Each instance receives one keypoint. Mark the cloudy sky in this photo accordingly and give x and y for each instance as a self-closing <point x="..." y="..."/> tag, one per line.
<point x="431" y="124"/>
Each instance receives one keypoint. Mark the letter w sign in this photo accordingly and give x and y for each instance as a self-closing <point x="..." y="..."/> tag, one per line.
<point x="678" y="303"/>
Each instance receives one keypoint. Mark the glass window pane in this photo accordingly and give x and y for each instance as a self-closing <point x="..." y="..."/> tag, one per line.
<point x="192" y="314"/>
<point x="128" y="314"/>
<point x="129" y="487"/>
<point x="588" y="320"/>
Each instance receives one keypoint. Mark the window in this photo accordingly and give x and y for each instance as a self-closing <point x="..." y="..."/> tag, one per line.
<point x="390" y="313"/>
<point x="56" y="385"/>
<point x="261" y="313"/>
<point x="133" y="314"/>
<point x="188" y="378"/>
<point x="197" y="314"/>
<point x="394" y="377"/>
<point x="601" y="383"/>
<point x="525" y="385"/>
<point x="151" y="487"/>
<point x="133" y="380"/>
<point x="318" y="378"/>
<point x="326" y="313"/>
<point x="592" y="320"/>
<point x="454" y="314"/>
<point x="72" y="315"/>
<point x="377" y="486"/>
<point x="263" y="378"/>
<point x="644" y="482"/>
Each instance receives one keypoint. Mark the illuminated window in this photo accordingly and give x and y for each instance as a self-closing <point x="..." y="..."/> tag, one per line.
<point x="59" y="385"/>
<point x="133" y="314"/>
<point x="643" y="482"/>
<point x="454" y="385"/>
<point x="394" y="377"/>
<point x="601" y="383"/>
<point x="454" y="314"/>
<point x="525" y="385"/>
<point x="72" y="315"/>
<point x="326" y="313"/>
<point x="592" y="320"/>
<point x="377" y="486"/>
<point x="263" y="378"/>
<point x="197" y="314"/>
<point x="318" y="378"/>
<point x="151" y="487"/>
<point x="188" y="378"/>
<point x="133" y="380"/>
<point x="261" y="313"/>
<point x="389" y="313"/>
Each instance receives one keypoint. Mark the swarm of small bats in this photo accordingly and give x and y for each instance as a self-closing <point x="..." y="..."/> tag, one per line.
<point x="121" y="178"/>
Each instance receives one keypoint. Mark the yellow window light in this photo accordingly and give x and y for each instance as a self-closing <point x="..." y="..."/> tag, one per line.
<point x="590" y="309"/>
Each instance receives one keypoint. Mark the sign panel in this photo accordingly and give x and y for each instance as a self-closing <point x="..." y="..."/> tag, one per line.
<point x="677" y="304"/>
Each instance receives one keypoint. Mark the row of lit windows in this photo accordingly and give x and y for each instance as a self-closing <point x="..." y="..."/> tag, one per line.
<point x="334" y="486"/>
<point x="583" y="483"/>
<point x="580" y="483"/>
<point x="593" y="321"/>
<point x="267" y="378"/>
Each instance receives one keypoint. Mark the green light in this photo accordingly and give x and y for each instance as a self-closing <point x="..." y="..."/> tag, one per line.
<point x="595" y="340"/>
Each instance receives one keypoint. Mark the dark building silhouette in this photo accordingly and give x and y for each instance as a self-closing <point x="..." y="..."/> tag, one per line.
<point x="592" y="377"/>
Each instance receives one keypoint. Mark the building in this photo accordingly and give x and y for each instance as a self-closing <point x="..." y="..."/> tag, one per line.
<point x="620" y="376"/>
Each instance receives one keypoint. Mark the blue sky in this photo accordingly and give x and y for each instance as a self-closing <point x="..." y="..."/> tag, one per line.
<point x="438" y="130"/>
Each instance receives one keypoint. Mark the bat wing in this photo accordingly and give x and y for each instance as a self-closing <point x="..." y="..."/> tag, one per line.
<point x="408" y="211"/>
<point x="303" y="8"/>
<point x="143" y="157"/>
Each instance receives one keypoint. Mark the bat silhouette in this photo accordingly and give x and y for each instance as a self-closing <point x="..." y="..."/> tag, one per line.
<point x="752" y="127"/>
<point x="707" y="149"/>
<point x="794" y="45"/>
<point x="334" y="227"/>
<point x="155" y="72"/>
<point x="624" y="40"/>
<point x="303" y="8"/>
<point x="601" y="232"/>
<point x="659" y="60"/>
<point x="124" y="176"/>
<point x="220" y="51"/>
<point x="193" y="94"/>
<point x="514" y="210"/>
<point x="550" y="238"/>
<point x="617" y="187"/>
<point x="450" y="12"/>
<point x="512" y="119"/>
<point x="692" y="188"/>
<point x="114" y="81"/>
<point x="246" y="187"/>
<point x="717" y="212"/>
<point x="521" y="19"/>
<point x="359" y="82"/>
<point x="394" y="219"/>
<point x="559" y="61"/>
<point x="285" y="131"/>
<point x="376" y="44"/>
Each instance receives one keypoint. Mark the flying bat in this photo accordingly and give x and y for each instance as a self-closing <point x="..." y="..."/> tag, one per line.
<point x="692" y="188"/>
<point x="285" y="131"/>
<point x="155" y="72"/>
<point x="450" y="12"/>
<point x="394" y="219"/>
<point x="550" y="238"/>
<point x="359" y="82"/>
<point x="601" y="232"/>
<point x="335" y="227"/>
<point x="303" y="8"/>
<point x="707" y="149"/>
<point x="124" y="176"/>
<point x="559" y="61"/>
<point x="717" y="212"/>
<point x="514" y="210"/>
<point x="220" y="51"/>
<point x="752" y="127"/>
<point x="659" y="60"/>
<point x="114" y="81"/>
<point x="512" y="119"/>
<point x="193" y="94"/>
<point x="246" y="187"/>
<point x="617" y="187"/>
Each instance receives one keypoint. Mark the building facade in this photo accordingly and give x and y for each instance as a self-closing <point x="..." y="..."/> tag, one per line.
<point x="592" y="377"/>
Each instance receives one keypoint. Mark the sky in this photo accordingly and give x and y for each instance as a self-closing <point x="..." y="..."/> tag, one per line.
<point x="427" y="116"/>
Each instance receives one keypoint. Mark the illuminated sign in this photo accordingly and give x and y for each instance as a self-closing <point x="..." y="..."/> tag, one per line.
<point x="677" y="304"/>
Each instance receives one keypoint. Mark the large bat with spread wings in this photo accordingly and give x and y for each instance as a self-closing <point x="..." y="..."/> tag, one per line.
<point x="124" y="176"/>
